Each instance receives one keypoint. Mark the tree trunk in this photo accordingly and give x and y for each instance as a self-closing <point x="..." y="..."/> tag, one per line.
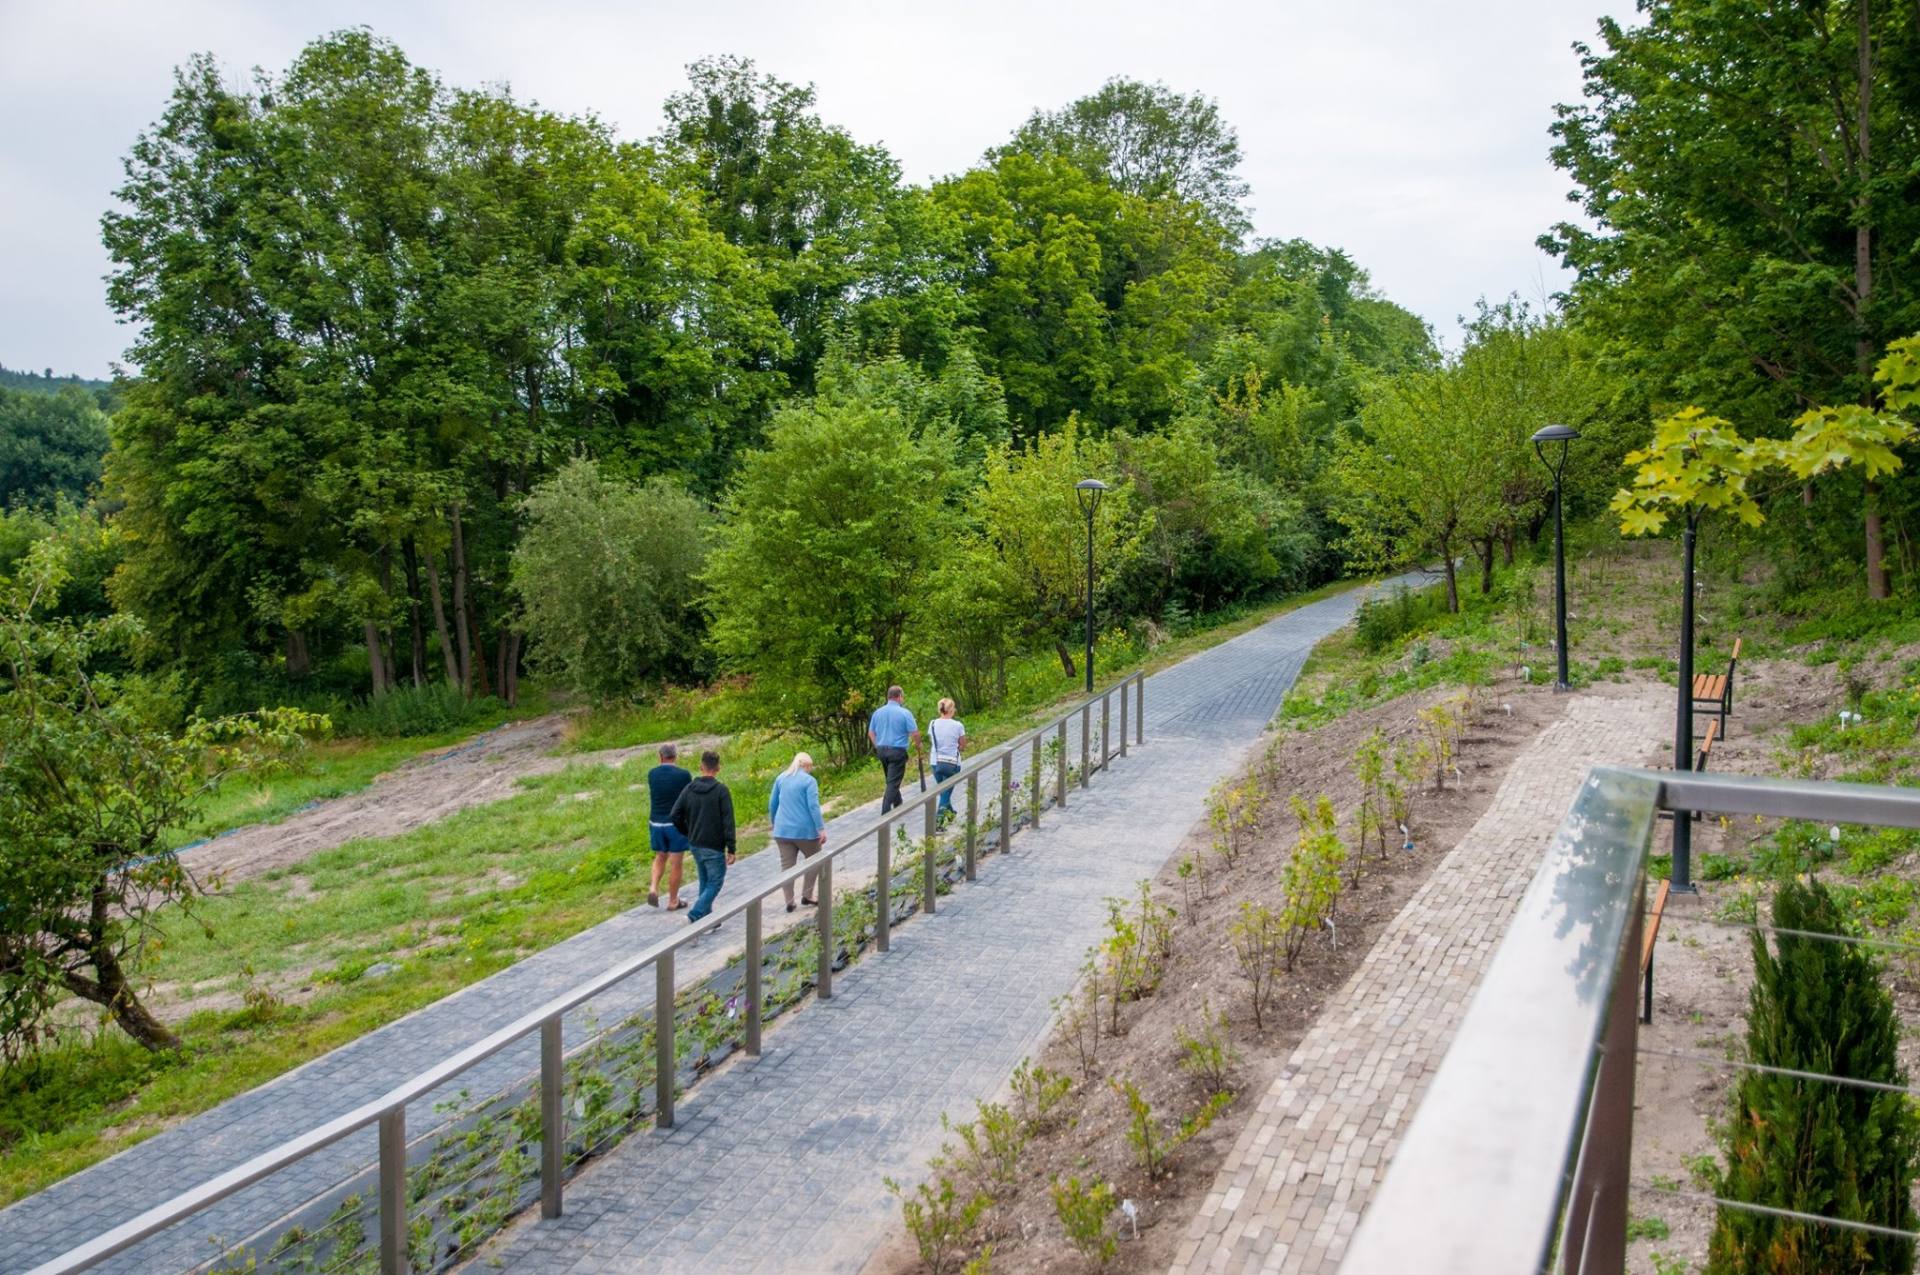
<point x="500" y="663"/>
<point x="462" y="622"/>
<point x="1877" y="586"/>
<point x="511" y="678"/>
<point x="1506" y="545"/>
<point x="447" y="656"/>
<point x="1453" y="583"/>
<point x="376" y="664"/>
<point x="299" y="662"/>
<point x="109" y="987"/>
<point x="1485" y="549"/>
<point x="416" y="621"/>
<point x="1066" y="657"/>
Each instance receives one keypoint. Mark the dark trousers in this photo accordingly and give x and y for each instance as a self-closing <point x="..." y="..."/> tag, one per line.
<point x="893" y="761"/>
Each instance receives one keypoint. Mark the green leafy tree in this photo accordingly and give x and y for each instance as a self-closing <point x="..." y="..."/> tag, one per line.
<point x="1150" y="141"/>
<point x="1695" y="464"/>
<point x="1745" y="171"/>
<point x="89" y="786"/>
<point x="1810" y="1145"/>
<point x="51" y="445"/>
<point x="607" y="575"/>
<point x="1030" y="514"/>
<point x="968" y="622"/>
<point x="830" y="533"/>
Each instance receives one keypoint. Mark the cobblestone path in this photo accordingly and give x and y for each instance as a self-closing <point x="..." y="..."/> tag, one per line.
<point x="857" y="1082"/>
<point x="1298" y="1178"/>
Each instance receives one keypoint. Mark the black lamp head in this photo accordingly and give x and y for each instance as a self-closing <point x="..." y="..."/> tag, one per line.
<point x="1561" y="434"/>
<point x="1088" y="490"/>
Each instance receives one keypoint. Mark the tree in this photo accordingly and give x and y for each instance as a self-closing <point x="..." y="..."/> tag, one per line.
<point x="1808" y="1144"/>
<point x="606" y="575"/>
<point x="50" y="446"/>
<point x="1150" y="141"/>
<point x="1030" y="514"/>
<point x="829" y="533"/>
<point x="824" y="216"/>
<point x="89" y="787"/>
<point x="967" y="623"/>
<point x="1748" y="170"/>
<point x="1421" y="483"/>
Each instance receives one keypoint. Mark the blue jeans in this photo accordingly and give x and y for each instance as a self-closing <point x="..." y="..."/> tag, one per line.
<point x="713" y="874"/>
<point x="943" y="771"/>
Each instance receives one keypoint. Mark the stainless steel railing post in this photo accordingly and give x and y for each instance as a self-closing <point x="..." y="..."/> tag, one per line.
<point x="553" y="1117"/>
<point x="1034" y="789"/>
<point x="1106" y="716"/>
<point x="1086" y="744"/>
<point x="823" y="987"/>
<point x="1123" y="721"/>
<point x="754" y="959"/>
<point x="926" y="858"/>
<point x="883" y="891"/>
<point x="663" y="1058"/>
<point x="1060" y="769"/>
<point x="973" y="819"/>
<point x="1596" y="1211"/>
<point x="1006" y="802"/>
<point x="1140" y="709"/>
<point x="393" y="1192"/>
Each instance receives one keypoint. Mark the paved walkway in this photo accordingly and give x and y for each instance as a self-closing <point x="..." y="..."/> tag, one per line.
<point x="776" y="1165"/>
<point x="1294" y="1186"/>
<point x="944" y="1017"/>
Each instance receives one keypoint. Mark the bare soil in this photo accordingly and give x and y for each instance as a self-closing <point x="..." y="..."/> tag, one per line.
<point x="432" y="786"/>
<point x="1089" y="1142"/>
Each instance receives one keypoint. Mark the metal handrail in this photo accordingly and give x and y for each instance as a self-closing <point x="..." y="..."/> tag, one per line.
<point x="388" y="1112"/>
<point x="1523" y="1141"/>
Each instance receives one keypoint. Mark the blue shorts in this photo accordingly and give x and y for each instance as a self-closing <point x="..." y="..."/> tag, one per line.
<point x="667" y="840"/>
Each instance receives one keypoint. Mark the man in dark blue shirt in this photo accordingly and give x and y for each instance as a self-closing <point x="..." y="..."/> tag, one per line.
<point x="665" y="783"/>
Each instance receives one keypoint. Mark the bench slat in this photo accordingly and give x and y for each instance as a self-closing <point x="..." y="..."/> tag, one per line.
<point x="1653" y="923"/>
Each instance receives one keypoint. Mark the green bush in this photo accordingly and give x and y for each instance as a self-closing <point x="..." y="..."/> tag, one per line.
<point x="1811" y="1145"/>
<point x="1383" y="621"/>
<point x="1083" y="1210"/>
<point x="417" y="710"/>
<point x="606" y="576"/>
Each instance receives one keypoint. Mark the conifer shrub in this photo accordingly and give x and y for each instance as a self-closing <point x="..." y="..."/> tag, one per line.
<point x="1813" y="1146"/>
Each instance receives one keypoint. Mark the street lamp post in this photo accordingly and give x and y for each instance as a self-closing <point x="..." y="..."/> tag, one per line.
<point x="1088" y="491"/>
<point x="1563" y="435"/>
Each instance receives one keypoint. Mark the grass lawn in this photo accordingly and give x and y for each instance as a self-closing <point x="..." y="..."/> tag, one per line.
<point x="283" y="976"/>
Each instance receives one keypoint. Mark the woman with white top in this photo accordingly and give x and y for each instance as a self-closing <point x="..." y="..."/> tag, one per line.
<point x="949" y="738"/>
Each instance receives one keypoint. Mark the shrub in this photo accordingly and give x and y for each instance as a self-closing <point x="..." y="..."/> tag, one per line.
<point x="1811" y="1145"/>
<point x="939" y="1220"/>
<point x="990" y="1146"/>
<point x="1210" y="1055"/>
<point x="1153" y="1146"/>
<point x="606" y="574"/>
<point x="1382" y="621"/>
<point x="1258" y="939"/>
<point x="1311" y="879"/>
<point x="1083" y="1210"/>
<point x="1036" y="1092"/>
<point x="417" y="710"/>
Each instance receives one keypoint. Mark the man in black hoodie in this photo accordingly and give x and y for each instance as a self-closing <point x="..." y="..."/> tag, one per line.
<point x="704" y="814"/>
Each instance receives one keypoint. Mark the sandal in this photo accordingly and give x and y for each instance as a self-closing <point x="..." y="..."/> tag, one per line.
<point x="812" y="903"/>
<point x="678" y="907"/>
<point x="790" y="907"/>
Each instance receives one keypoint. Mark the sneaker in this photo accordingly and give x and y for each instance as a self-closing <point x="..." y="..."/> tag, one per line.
<point x="653" y="898"/>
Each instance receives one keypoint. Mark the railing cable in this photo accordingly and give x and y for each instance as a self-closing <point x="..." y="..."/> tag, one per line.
<point x="1853" y="1082"/>
<point x="1769" y="1210"/>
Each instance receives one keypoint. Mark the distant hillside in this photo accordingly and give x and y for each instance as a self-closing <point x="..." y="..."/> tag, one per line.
<point x="47" y="383"/>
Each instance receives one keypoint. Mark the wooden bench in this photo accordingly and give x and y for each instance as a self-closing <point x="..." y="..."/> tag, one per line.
<point x="1714" y="691"/>
<point x="1652" y="925"/>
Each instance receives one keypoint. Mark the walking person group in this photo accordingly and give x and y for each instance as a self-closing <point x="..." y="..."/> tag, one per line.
<point x="695" y="815"/>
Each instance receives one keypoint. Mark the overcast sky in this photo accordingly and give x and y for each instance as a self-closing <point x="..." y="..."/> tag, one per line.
<point x="1412" y="134"/>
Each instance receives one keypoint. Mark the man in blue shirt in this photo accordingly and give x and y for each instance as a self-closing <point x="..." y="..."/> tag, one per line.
<point x="893" y="730"/>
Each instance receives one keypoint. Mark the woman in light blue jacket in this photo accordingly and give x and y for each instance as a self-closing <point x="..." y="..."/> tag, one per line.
<point x="798" y="829"/>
